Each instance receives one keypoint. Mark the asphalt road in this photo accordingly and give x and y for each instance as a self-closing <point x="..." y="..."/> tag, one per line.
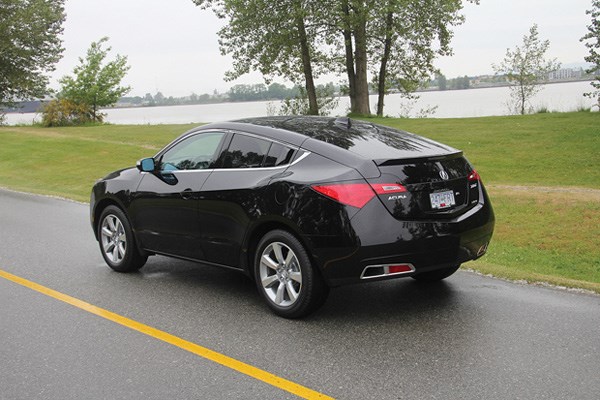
<point x="469" y="337"/>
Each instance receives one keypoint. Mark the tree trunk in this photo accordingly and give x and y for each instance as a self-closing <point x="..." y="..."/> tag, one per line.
<point x="349" y="55"/>
<point x="94" y="109"/>
<point x="522" y="98"/>
<point x="361" y="105"/>
<point x="383" y="67"/>
<point x="313" y="106"/>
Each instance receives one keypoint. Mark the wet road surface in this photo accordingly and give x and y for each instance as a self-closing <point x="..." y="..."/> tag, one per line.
<point x="469" y="337"/>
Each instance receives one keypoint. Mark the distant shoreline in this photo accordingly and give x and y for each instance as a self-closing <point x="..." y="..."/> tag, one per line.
<point x="552" y="82"/>
<point x="33" y="109"/>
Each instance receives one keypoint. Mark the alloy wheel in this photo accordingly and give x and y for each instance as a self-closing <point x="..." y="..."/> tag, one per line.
<point x="114" y="239"/>
<point x="280" y="274"/>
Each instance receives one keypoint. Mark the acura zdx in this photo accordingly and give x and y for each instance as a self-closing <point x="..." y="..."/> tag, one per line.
<point x="300" y="204"/>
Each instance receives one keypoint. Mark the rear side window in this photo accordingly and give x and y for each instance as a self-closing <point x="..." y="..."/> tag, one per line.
<point x="278" y="155"/>
<point x="245" y="152"/>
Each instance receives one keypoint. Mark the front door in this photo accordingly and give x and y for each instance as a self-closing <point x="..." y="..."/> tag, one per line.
<point x="165" y="206"/>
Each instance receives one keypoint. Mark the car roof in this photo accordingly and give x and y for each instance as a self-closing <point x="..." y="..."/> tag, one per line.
<point x="364" y="139"/>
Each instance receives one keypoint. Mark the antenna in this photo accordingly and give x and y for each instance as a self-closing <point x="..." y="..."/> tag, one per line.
<point x="345" y="121"/>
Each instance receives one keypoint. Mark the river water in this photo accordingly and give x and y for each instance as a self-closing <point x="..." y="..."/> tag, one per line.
<point x="448" y="104"/>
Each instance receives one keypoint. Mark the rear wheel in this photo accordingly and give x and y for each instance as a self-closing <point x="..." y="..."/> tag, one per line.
<point x="437" y="275"/>
<point x="117" y="243"/>
<point x="285" y="276"/>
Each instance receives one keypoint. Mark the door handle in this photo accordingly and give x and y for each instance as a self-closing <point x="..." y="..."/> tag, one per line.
<point x="187" y="194"/>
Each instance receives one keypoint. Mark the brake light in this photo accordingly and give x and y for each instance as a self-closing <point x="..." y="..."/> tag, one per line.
<point x="474" y="176"/>
<point x="387" y="188"/>
<point x="357" y="194"/>
<point x="352" y="194"/>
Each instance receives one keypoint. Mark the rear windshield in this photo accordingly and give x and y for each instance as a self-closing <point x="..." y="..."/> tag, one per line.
<point x="370" y="141"/>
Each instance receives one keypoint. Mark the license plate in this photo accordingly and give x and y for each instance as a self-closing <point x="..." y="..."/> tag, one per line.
<point x="440" y="200"/>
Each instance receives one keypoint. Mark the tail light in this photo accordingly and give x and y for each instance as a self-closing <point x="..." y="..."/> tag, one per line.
<point x="387" y="188"/>
<point x="357" y="194"/>
<point x="474" y="176"/>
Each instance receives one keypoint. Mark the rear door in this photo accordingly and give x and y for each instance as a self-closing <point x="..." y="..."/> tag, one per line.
<point x="237" y="193"/>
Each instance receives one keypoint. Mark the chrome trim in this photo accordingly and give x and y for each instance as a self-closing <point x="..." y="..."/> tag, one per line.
<point x="251" y="169"/>
<point x="179" y="171"/>
<point x="302" y="157"/>
<point x="236" y="132"/>
<point x="386" y="270"/>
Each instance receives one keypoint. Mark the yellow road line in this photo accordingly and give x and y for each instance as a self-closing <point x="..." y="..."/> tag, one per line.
<point x="211" y="355"/>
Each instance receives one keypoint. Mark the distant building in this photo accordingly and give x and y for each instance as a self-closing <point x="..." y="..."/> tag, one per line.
<point x="565" y="74"/>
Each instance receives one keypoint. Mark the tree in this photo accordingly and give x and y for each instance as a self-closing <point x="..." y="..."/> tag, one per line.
<point x="593" y="44"/>
<point x="277" y="91"/>
<point x="395" y="40"/>
<point x="95" y="83"/>
<point x="149" y="100"/>
<point x="526" y="67"/>
<point x="159" y="98"/>
<point x="407" y="37"/>
<point x="30" y="46"/>
<point x="298" y="105"/>
<point x="442" y="82"/>
<point x="276" y="38"/>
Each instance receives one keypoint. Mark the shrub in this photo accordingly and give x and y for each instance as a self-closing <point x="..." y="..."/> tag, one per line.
<point x="62" y="112"/>
<point x="543" y="110"/>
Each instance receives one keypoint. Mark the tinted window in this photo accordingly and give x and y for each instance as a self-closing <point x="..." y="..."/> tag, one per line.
<point x="368" y="140"/>
<point x="278" y="155"/>
<point x="245" y="152"/>
<point x="196" y="152"/>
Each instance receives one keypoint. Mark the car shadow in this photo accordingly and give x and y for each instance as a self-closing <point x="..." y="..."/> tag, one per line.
<point x="400" y="299"/>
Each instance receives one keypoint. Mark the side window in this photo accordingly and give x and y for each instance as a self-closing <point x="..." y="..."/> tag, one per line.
<point x="196" y="152"/>
<point x="278" y="155"/>
<point x="245" y="152"/>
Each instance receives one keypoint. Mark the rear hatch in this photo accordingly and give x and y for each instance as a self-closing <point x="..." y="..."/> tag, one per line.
<point x="416" y="178"/>
<point x="426" y="188"/>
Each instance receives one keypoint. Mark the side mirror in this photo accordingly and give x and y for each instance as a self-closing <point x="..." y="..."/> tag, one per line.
<point x="146" y="165"/>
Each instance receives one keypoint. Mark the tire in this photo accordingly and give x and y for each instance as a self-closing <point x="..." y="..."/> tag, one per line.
<point x="285" y="276"/>
<point x="437" y="275"/>
<point x="117" y="243"/>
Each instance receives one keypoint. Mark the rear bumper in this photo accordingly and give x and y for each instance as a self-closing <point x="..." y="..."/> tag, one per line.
<point x="424" y="245"/>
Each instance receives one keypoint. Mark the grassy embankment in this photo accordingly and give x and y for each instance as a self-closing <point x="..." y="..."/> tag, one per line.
<point x="542" y="172"/>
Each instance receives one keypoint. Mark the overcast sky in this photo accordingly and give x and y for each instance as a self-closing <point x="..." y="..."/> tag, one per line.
<point x="172" y="45"/>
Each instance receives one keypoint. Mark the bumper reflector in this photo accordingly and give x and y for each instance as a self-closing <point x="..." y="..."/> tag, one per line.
<point x="378" y="271"/>
<point x="482" y="250"/>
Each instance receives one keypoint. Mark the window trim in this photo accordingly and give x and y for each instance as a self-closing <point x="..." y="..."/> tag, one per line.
<point x="228" y="137"/>
<point x="225" y="140"/>
<point x="296" y="161"/>
<point x="296" y="149"/>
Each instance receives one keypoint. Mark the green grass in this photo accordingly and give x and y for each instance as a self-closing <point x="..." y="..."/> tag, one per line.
<point x="67" y="161"/>
<point x="545" y="236"/>
<point x="540" y="149"/>
<point x="549" y="235"/>
<point x="541" y="235"/>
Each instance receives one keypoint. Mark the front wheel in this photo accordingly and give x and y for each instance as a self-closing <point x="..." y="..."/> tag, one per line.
<point x="117" y="243"/>
<point x="437" y="275"/>
<point x="285" y="276"/>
